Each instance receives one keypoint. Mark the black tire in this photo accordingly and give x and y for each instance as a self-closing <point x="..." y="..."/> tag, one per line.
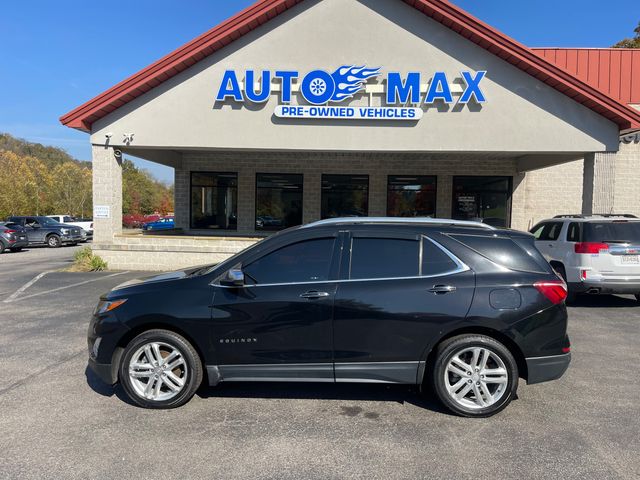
<point x="638" y="297"/>
<point x="53" y="241"/>
<point x="2" y="247"/>
<point x="17" y="249"/>
<point x="194" y="370"/>
<point x="571" y="296"/>
<point x="446" y="351"/>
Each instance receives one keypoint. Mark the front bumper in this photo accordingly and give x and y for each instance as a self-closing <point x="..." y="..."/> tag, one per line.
<point x="545" y="369"/>
<point x="71" y="238"/>
<point x="104" y="371"/>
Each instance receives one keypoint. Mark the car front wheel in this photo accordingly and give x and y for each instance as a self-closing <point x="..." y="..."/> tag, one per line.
<point x="54" y="241"/>
<point x="160" y="369"/>
<point x="474" y="375"/>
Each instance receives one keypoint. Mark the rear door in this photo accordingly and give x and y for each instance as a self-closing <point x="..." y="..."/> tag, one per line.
<point x="396" y="293"/>
<point x="547" y="235"/>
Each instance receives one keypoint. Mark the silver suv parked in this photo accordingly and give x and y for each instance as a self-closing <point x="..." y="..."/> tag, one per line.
<point x="595" y="254"/>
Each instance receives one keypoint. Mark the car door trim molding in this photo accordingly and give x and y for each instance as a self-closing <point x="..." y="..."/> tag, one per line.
<point x="401" y="372"/>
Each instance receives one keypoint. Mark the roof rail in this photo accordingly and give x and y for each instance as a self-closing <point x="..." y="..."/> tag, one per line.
<point x="400" y="220"/>
<point x="601" y="215"/>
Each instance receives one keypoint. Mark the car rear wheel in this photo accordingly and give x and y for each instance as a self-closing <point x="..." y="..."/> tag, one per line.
<point x="2" y="247"/>
<point x="54" y="241"/>
<point x="474" y="375"/>
<point x="638" y="297"/>
<point x="17" y="249"/>
<point x="160" y="369"/>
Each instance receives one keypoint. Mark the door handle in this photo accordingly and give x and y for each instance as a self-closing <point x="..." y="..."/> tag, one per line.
<point x="442" y="289"/>
<point x="314" y="294"/>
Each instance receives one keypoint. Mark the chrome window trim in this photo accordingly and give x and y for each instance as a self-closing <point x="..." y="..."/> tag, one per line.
<point x="460" y="268"/>
<point x="398" y="220"/>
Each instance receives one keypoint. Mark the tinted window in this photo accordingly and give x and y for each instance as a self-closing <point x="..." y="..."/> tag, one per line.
<point x="384" y="258"/>
<point x="278" y="201"/>
<point x="67" y="219"/>
<point x="214" y="200"/>
<point x="345" y="196"/>
<point x="547" y="231"/>
<point x="573" y="233"/>
<point x="506" y="252"/>
<point x="434" y="260"/>
<point x="301" y="262"/>
<point x="411" y="196"/>
<point x="482" y="198"/>
<point x="620" y="231"/>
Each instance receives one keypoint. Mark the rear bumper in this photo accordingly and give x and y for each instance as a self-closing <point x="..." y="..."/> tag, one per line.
<point x="17" y="244"/>
<point x="606" y="287"/>
<point x="545" y="369"/>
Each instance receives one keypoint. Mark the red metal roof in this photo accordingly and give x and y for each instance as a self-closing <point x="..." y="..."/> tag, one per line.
<point x="261" y="12"/>
<point x="614" y="71"/>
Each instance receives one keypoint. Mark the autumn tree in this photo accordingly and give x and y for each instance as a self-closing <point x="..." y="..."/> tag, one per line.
<point x="630" y="42"/>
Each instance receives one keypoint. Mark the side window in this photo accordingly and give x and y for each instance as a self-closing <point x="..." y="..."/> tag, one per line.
<point x="573" y="233"/>
<point x="67" y="220"/>
<point x="307" y="261"/>
<point x="551" y="232"/>
<point x="538" y="229"/>
<point x="384" y="258"/>
<point x="434" y="260"/>
<point x="30" y="221"/>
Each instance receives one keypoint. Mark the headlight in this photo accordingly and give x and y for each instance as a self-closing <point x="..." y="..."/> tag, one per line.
<point x="65" y="231"/>
<point x="105" y="306"/>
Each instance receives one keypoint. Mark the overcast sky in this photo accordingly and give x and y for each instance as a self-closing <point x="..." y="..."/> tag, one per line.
<point x="55" y="55"/>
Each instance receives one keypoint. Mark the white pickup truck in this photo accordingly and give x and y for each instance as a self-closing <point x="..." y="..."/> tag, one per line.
<point x="85" y="225"/>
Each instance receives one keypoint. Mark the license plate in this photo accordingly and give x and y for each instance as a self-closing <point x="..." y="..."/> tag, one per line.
<point x="631" y="259"/>
<point x="23" y="238"/>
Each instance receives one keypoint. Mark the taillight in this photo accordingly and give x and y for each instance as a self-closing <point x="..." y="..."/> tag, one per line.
<point x="10" y="231"/>
<point x="554" y="290"/>
<point x="591" y="247"/>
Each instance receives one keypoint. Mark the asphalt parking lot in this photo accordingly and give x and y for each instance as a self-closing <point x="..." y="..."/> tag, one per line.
<point x="58" y="421"/>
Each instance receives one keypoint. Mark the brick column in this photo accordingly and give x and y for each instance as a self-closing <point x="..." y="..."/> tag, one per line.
<point x="444" y="198"/>
<point x="107" y="192"/>
<point x="598" y="188"/>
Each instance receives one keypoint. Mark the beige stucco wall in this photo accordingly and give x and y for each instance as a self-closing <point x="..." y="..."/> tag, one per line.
<point x="522" y="114"/>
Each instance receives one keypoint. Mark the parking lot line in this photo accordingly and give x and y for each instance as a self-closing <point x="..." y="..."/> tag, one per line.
<point x="25" y="286"/>
<point x="13" y="298"/>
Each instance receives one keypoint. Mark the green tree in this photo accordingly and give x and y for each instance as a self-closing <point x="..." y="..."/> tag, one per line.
<point x="630" y="42"/>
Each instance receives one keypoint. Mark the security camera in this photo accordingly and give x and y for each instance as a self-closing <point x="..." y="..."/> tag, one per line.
<point x="108" y="135"/>
<point x="117" y="153"/>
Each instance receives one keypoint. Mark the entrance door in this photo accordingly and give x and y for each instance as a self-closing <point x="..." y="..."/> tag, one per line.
<point x="486" y="199"/>
<point x="279" y="326"/>
<point x="399" y="293"/>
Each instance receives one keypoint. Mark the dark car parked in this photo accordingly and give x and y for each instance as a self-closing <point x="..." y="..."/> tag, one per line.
<point x="46" y="231"/>
<point x="458" y="306"/>
<point x="12" y="237"/>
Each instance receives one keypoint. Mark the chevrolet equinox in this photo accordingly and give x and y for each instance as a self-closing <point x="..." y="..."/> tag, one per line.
<point x="460" y="307"/>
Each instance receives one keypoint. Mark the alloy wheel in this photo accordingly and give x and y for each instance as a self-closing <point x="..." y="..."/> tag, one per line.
<point x="476" y="378"/>
<point x="158" y="371"/>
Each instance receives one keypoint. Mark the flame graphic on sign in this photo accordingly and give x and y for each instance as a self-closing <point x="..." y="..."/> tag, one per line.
<point x="350" y="80"/>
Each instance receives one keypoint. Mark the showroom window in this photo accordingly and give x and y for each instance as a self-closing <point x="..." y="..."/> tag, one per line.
<point x="345" y="196"/>
<point x="278" y="201"/>
<point x="486" y="199"/>
<point x="411" y="196"/>
<point x="214" y="201"/>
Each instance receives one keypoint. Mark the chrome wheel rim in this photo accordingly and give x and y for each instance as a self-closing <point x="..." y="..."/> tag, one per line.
<point x="476" y="378"/>
<point x="158" y="371"/>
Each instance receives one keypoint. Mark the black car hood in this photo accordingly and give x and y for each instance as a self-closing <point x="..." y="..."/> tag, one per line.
<point x="163" y="277"/>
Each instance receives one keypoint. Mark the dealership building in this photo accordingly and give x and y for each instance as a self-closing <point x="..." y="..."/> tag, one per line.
<point x="299" y="110"/>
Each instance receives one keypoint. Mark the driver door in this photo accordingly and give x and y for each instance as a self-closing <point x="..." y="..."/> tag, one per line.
<point x="35" y="233"/>
<point x="278" y="326"/>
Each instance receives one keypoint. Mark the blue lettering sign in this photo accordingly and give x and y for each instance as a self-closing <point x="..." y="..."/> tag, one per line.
<point x="287" y="82"/>
<point x="439" y="89"/>
<point x="398" y="91"/>
<point x="265" y="88"/>
<point x="473" y="87"/>
<point x="230" y="87"/>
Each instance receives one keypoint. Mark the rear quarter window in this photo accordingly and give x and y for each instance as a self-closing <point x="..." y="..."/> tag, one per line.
<point x="516" y="253"/>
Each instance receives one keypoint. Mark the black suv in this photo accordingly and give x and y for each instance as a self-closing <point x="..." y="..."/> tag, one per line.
<point x="460" y="306"/>
<point x="46" y="231"/>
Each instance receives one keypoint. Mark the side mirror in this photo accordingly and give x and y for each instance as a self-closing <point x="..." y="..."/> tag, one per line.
<point x="233" y="278"/>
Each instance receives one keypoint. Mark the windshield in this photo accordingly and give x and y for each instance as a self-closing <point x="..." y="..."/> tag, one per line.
<point x="614" y="232"/>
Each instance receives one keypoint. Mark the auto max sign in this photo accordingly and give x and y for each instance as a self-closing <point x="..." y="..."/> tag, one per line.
<point x="322" y="90"/>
